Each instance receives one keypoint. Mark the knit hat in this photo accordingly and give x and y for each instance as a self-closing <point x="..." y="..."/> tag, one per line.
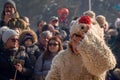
<point x="101" y="21"/>
<point x="81" y="26"/>
<point x="3" y="29"/>
<point x="91" y="14"/>
<point x="7" y="34"/>
<point x="10" y="2"/>
<point x="54" y="18"/>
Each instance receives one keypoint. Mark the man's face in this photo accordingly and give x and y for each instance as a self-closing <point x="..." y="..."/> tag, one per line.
<point x="44" y="40"/>
<point x="12" y="42"/>
<point x="9" y="9"/>
<point x="41" y="25"/>
<point x="55" y="23"/>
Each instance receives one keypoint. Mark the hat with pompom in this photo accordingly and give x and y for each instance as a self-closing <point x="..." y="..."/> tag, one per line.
<point x="81" y="26"/>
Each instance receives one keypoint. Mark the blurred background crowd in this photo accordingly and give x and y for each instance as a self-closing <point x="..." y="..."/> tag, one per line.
<point x="44" y="9"/>
<point x="36" y="30"/>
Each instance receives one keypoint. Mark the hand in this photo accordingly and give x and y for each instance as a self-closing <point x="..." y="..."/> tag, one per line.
<point x="19" y="67"/>
<point x="8" y="16"/>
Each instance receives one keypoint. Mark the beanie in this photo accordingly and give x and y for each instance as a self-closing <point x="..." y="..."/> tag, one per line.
<point x="54" y="18"/>
<point x="81" y="25"/>
<point x="101" y="21"/>
<point x="3" y="29"/>
<point x="10" y="2"/>
<point x="7" y="34"/>
<point x="91" y="14"/>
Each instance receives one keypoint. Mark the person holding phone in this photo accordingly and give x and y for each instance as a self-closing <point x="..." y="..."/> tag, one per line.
<point x="9" y="11"/>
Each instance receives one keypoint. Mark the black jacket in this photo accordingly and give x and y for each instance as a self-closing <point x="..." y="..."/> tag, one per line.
<point x="7" y="69"/>
<point x="33" y="53"/>
<point x="2" y="23"/>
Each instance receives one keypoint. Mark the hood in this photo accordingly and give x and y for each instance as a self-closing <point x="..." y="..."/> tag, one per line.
<point x="26" y="33"/>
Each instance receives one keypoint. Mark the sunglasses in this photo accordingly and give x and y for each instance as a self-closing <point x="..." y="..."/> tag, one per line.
<point x="14" y="40"/>
<point x="52" y="44"/>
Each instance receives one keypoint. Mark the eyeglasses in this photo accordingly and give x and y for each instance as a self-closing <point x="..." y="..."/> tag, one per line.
<point x="54" y="44"/>
<point x="14" y="40"/>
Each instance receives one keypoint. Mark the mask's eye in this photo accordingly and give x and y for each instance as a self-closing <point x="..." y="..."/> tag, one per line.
<point x="82" y="27"/>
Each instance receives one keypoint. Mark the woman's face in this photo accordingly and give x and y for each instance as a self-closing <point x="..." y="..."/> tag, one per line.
<point x="53" y="46"/>
<point x="12" y="42"/>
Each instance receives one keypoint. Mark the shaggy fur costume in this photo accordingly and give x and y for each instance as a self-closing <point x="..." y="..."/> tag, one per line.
<point x="94" y="60"/>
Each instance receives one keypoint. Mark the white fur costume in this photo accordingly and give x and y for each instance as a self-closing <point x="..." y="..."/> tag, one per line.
<point x="94" y="60"/>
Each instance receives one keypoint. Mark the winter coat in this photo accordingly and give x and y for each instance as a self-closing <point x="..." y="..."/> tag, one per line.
<point x="116" y="49"/>
<point x="1" y="45"/>
<point x="33" y="50"/>
<point x="2" y="23"/>
<point x="38" y="34"/>
<point x="94" y="60"/>
<point x="114" y="74"/>
<point x="7" y="69"/>
<point x="33" y="53"/>
<point x="17" y="23"/>
<point x="41" y="48"/>
<point x="43" y="66"/>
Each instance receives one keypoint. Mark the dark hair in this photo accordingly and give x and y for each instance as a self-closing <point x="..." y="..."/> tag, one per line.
<point x="45" y="28"/>
<point x="47" y="52"/>
<point x="75" y="18"/>
<point x="40" y="21"/>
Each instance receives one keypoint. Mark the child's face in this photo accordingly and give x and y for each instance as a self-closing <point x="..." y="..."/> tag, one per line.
<point x="28" y="42"/>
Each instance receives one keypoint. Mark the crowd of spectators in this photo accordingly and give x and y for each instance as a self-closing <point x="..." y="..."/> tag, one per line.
<point x="26" y="54"/>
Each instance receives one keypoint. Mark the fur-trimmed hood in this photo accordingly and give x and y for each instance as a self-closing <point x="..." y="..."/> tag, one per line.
<point x="25" y="33"/>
